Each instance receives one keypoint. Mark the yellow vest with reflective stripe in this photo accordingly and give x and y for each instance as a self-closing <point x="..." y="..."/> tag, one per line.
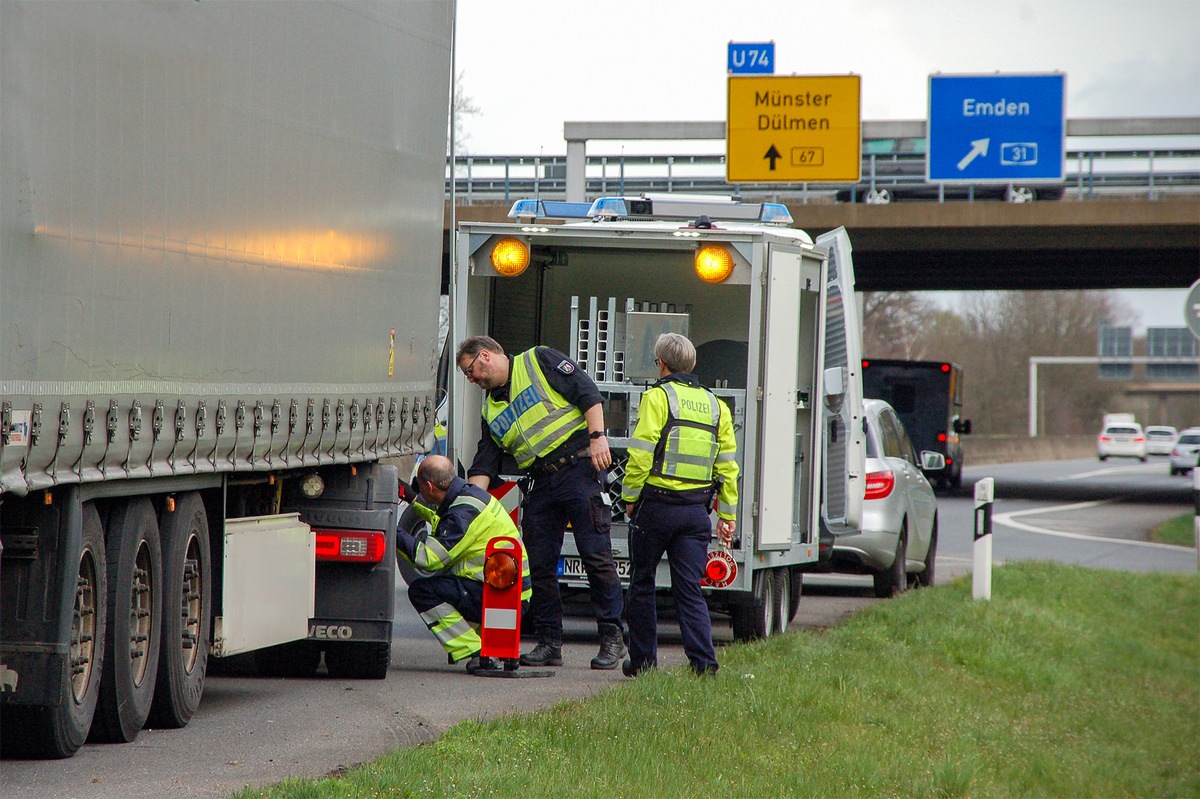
<point x="536" y="418"/>
<point x="687" y="450"/>
<point x="466" y="558"/>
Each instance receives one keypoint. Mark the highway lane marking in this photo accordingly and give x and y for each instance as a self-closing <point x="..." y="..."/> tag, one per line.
<point x="1007" y="519"/>
<point x="1138" y="468"/>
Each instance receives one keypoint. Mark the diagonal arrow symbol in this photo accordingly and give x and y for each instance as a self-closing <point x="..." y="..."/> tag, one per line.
<point x="773" y="155"/>
<point x="978" y="147"/>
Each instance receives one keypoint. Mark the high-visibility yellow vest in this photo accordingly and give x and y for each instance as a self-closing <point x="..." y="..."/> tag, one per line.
<point x="466" y="558"/>
<point x="536" y="418"/>
<point x="687" y="449"/>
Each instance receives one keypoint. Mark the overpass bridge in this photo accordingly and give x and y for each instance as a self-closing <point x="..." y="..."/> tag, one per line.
<point x="1126" y="217"/>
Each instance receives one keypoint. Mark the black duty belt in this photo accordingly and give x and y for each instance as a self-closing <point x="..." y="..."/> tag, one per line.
<point x="549" y="467"/>
<point x="688" y="496"/>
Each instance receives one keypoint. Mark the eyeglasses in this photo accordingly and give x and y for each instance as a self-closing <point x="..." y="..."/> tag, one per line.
<point x="467" y="369"/>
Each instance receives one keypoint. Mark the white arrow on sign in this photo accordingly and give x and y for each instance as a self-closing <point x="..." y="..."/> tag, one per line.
<point x="978" y="147"/>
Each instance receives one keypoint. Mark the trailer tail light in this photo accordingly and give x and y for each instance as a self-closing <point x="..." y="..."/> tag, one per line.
<point x="879" y="485"/>
<point x="351" y="546"/>
<point x="942" y="438"/>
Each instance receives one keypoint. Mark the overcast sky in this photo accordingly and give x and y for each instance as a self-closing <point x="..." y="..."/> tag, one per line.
<point x="528" y="66"/>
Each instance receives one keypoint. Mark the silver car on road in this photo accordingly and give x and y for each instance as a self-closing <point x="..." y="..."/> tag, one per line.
<point x="898" y="536"/>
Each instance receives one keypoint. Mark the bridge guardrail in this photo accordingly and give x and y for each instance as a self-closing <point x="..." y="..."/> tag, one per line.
<point x="1090" y="174"/>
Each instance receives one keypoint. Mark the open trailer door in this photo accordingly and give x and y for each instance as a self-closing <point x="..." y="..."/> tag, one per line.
<point x="842" y="414"/>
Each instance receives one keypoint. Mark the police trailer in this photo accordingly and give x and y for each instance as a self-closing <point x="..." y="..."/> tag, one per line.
<point x="773" y="318"/>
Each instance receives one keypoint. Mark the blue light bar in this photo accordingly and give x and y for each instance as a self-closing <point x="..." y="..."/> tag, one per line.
<point x="609" y="207"/>
<point x="775" y="214"/>
<point x="548" y="209"/>
<point x="689" y="207"/>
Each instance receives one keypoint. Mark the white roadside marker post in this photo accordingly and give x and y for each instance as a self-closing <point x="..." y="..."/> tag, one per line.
<point x="981" y="575"/>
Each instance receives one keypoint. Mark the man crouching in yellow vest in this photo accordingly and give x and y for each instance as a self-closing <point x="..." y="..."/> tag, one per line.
<point x="463" y="519"/>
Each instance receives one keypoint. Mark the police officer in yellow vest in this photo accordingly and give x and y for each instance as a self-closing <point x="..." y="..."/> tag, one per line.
<point x="463" y="519"/>
<point x="546" y="412"/>
<point x="683" y="450"/>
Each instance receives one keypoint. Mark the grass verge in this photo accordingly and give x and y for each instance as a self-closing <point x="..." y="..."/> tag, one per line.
<point x="1178" y="531"/>
<point x="1070" y="682"/>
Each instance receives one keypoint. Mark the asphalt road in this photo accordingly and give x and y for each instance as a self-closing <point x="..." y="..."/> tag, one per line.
<point x="250" y="730"/>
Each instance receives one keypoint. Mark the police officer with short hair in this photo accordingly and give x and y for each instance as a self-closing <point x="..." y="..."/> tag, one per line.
<point x="545" y="411"/>
<point x="463" y="518"/>
<point x="683" y="451"/>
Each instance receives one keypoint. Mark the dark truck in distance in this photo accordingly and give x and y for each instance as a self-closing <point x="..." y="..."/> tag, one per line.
<point x="927" y="395"/>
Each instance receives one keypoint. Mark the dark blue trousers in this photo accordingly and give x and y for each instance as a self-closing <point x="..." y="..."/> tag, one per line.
<point x="683" y="533"/>
<point x="574" y="495"/>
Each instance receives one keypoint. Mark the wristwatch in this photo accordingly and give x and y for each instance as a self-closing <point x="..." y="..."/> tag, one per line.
<point x="595" y="435"/>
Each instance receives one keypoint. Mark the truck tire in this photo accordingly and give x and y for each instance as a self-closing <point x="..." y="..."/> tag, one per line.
<point x="754" y="621"/>
<point x="894" y="579"/>
<point x="134" y="623"/>
<point x="358" y="660"/>
<point x="186" y="613"/>
<point x="296" y="659"/>
<point x="59" y="731"/>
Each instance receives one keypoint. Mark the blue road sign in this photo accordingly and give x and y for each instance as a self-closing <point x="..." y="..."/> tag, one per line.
<point x="751" y="58"/>
<point x="996" y="128"/>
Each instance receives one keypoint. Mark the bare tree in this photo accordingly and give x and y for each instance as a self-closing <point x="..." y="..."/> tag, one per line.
<point x="993" y="335"/>
<point x="895" y="324"/>
<point x="463" y="106"/>
<point x="1003" y="330"/>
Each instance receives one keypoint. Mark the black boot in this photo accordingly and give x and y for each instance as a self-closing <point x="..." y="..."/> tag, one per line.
<point x="548" y="651"/>
<point x="612" y="648"/>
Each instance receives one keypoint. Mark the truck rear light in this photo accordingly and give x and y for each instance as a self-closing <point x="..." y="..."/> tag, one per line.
<point x="942" y="438"/>
<point x="351" y="546"/>
<point x="879" y="485"/>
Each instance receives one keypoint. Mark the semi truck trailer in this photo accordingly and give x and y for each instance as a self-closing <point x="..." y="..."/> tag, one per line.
<point x="220" y="238"/>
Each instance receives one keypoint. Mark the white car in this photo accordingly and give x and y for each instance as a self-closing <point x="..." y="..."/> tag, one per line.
<point x="1122" y="440"/>
<point x="1160" y="439"/>
<point x="1186" y="451"/>
<point x="899" y="529"/>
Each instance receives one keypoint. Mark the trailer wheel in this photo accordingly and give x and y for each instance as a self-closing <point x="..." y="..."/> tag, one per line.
<point x="358" y="660"/>
<point x="186" y="613"/>
<point x="59" y="731"/>
<point x="755" y="621"/>
<point x="295" y="659"/>
<point x="783" y="589"/>
<point x="134" y="623"/>
<point x="795" y="589"/>
<point x="894" y="580"/>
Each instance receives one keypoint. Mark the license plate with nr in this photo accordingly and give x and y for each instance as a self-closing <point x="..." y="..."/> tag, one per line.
<point x="572" y="568"/>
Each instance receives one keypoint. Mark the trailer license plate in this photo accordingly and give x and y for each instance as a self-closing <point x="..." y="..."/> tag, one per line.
<point x="573" y="568"/>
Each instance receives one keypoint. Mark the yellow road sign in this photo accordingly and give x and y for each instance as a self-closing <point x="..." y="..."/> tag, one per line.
<point x="794" y="129"/>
